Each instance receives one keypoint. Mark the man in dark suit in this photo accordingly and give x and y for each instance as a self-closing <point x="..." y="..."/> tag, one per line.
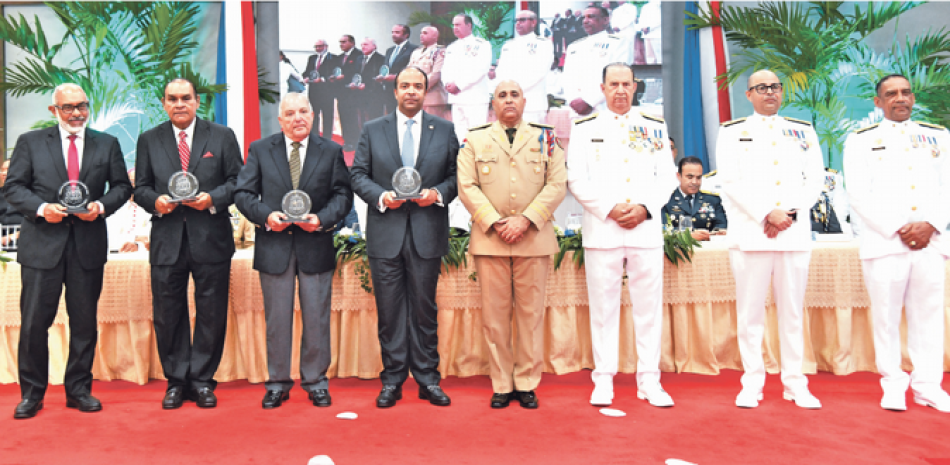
<point x="397" y="58"/>
<point x="10" y="218"/>
<point x="369" y="94"/>
<point x="704" y="208"/>
<point x="191" y="237"/>
<point x="407" y="239"/>
<point x="302" y="252"/>
<point x="350" y="61"/>
<point x="57" y="248"/>
<point x="320" y="89"/>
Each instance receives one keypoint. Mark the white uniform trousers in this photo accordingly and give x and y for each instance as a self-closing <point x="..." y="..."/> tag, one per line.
<point x="788" y="274"/>
<point x="465" y="116"/>
<point x="915" y="280"/>
<point x="645" y="283"/>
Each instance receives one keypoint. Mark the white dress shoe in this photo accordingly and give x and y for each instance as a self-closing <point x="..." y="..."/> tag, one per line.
<point x="938" y="399"/>
<point x="748" y="398"/>
<point x="603" y="395"/>
<point x="894" y="400"/>
<point x="655" y="395"/>
<point x="802" y="398"/>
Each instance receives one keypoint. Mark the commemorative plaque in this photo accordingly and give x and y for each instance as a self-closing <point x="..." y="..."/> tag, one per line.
<point x="407" y="183"/>
<point x="183" y="187"/>
<point x="357" y="80"/>
<point x="314" y="75"/>
<point x="296" y="205"/>
<point x="74" y="195"/>
<point x="384" y="71"/>
<point x="337" y="72"/>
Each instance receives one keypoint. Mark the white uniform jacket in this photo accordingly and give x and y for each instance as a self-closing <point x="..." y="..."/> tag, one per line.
<point x="767" y="163"/>
<point x="466" y="65"/>
<point x="526" y="60"/>
<point x="584" y="67"/>
<point x="897" y="174"/>
<point x="620" y="159"/>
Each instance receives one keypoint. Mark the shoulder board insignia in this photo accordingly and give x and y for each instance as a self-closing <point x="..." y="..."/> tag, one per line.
<point x="799" y="121"/>
<point x="711" y="173"/>
<point x="730" y="123"/>
<point x="586" y="119"/>
<point x="580" y="40"/>
<point x="831" y="170"/>
<point x="930" y="125"/>
<point x="476" y="128"/>
<point x="614" y="36"/>
<point x="709" y="193"/>
<point x="859" y="131"/>
<point x="652" y="117"/>
<point x="542" y="126"/>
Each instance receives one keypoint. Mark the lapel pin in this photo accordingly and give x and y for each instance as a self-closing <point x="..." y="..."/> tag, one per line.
<point x="431" y="127"/>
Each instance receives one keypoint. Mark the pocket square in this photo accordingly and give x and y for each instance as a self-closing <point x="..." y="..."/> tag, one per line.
<point x="207" y="155"/>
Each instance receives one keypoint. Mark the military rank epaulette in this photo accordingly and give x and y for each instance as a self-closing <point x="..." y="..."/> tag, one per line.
<point x="931" y="125"/>
<point x="799" y="121"/>
<point x="859" y="131"/>
<point x="831" y="170"/>
<point x="542" y="126"/>
<point x="711" y="173"/>
<point x="709" y="193"/>
<point x="730" y="123"/>
<point x="586" y="119"/>
<point x="476" y="128"/>
<point x="614" y="36"/>
<point x="652" y="117"/>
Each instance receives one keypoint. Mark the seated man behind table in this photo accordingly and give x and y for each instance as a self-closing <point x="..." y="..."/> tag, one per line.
<point x="704" y="207"/>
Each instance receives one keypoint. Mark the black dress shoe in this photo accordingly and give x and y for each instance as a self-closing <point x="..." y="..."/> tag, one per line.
<point x="499" y="400"/>
<point x="435" y="395"/>
<point x="83" y="402"/>
<point x="27" y="408"/>
<point x="388" y="396"/>
<point x="527" y="399"/>
<point x="320" y="397"/>
<point x="204" y="397"/>
<point x="272" y="399"/>
<point x="174" y="397"/>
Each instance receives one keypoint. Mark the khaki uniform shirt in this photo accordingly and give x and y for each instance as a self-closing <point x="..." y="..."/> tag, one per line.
<point x="498" y="179"/>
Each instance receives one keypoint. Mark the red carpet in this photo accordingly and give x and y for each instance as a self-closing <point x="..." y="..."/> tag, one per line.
<point x="704" y="427"/>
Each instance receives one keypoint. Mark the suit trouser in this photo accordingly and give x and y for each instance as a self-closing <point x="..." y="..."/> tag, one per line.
<point x="186" y="361"/>
<point x="466" y="115"/>
<point x="788" y="274"/>
<point x="39" y="302"/>
<point x="604" y="269"/>
<point x="323" y="107"/>
<point x="513" y="287"/>
<point x="278" y="292"/>
<point x="914" y="280"/>
<point x="349" y="117"/>
<point x="405" y="288"/>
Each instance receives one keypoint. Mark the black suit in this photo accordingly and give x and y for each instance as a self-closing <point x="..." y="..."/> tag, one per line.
<point x="405" y="245"/>
<point x="71" y="253"/>
<point x="346" y="101"/>
<point x="395" y="66"/>
<point x="322" y="93"/>
<point x="189" y="241"/>
<point x="370" y="99"/>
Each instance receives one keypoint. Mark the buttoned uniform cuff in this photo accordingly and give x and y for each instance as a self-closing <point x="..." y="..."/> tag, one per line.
<point x="536" y="214"/>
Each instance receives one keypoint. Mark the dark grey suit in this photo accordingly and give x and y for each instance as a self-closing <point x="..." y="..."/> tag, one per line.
<point x="294" y="254"/>
<point x="188" y="241"/>
<point x="405" y="245"/>
<point x="71" y="253"/>
<point x="396" y="65"/>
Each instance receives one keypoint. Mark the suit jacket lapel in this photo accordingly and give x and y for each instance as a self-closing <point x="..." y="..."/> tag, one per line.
<point x="314" y="150"/>
<point x="88" y="153"/>
<point x="393" y="137"/>
<point x="425" y="136"/>
<point x="170" y="142"/>
<point x="201" y="137"/>
<point x="56" y="153"/>
<point x="279" y="158"/>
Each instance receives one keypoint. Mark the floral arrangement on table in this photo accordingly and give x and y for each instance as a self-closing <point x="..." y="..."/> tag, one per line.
<point x="4" y="259"/>
<point x="678" y="244"/>
<point x="569" y="240"/>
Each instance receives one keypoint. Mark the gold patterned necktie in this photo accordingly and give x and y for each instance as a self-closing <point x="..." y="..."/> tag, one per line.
<point x="295" y="164"/>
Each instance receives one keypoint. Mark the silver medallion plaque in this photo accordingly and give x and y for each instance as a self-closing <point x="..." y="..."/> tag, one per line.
<point x="74" y="195"/>
<point x="407" y="183"/>
<point x="296" y="205"/>
<point x="183" y="187"/>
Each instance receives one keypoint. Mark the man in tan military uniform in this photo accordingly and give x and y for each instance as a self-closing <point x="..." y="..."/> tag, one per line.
<point x="512" y="177"/>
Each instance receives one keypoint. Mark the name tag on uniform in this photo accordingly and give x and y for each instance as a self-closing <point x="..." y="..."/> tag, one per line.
<point x="745" y="139"/>
<point x="535" y="150"/>
<point x="875" y="149"/>
<point x="596" y="140"/>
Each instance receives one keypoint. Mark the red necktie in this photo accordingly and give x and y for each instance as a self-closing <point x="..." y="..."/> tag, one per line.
<point x="183" y="151"/>
<point x="72" y="163"/>
<point x="319" y="62"/>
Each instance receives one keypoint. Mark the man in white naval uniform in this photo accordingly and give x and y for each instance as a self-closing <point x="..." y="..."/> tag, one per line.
<point x="621" y="171"/>
<point x="772" y="173"/>
<point x="898" y="177"/>
<point x="526" y="59"/>
<point x="585" y="61"/>
<point x="465" y="76"/>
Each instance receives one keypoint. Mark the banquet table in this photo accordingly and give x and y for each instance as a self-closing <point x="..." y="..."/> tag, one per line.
<point x="699" y="333"/>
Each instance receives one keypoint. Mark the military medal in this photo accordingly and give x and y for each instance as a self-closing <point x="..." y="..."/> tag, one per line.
<point x="537" y="170"/>
<point x="486" y="169"/>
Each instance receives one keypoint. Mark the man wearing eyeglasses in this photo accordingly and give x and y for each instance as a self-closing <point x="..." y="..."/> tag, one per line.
<point x="526" y="60"/>
<point x="898" y="176"/>
<point x="59" y="248"/>
<point x="772" y="172"/>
